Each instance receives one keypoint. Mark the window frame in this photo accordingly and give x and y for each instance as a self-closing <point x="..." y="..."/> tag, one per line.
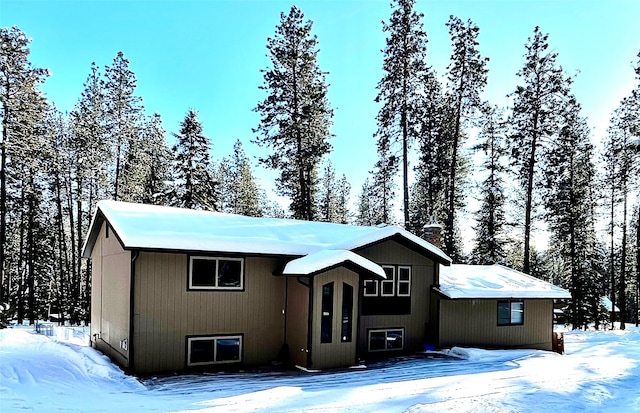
<point x="386" y="331"/>
<point x="364" y="288"/>
<point x="326" y="313"/>
<point x="388" y="281"/>
<point x="215" y="287"/>
<point x="214" y="338"/>
<point x="511" y="313"/>
<point x="407" y="282"/>
<point x="346" y="322"/>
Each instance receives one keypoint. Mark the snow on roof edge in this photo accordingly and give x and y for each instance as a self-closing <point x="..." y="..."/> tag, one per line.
<point x="324" y="259"/>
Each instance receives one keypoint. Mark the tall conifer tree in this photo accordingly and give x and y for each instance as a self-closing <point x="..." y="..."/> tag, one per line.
<point x="534" y="122"/>
<point x="404" y="67"/>
<point x="467" y="77"/>
<point x="296" y="115"/>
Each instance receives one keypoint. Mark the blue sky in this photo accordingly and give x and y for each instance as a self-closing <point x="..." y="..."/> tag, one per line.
<point x="207" y="55"/>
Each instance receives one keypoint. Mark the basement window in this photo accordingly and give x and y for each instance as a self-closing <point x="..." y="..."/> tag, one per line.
<point x="214" y="273"/>
<point x="386" y="340"/>
<point x="510" y="313"/>
<point x="214" y="350"/>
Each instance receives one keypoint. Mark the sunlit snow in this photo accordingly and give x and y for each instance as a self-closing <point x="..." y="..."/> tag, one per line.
<point x="599" y="373"/>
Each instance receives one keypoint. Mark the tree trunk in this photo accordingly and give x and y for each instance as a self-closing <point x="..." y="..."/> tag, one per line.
<point x="3" y="196"/>
<point x="30" y="253"/>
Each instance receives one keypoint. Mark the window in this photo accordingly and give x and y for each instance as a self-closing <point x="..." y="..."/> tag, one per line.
<point x="326" y="328"/>
<point x="510" y="313"/>
<point x="370" y="288"/>
<point x="388" y="285"/>
<point x="209" y="273"/>
<point x="347" y="312"/>
<point x="397" y="284"/>
<point x="404" y="281"/>
<point x="214" y="350"/>
<point x="386" y="340"/>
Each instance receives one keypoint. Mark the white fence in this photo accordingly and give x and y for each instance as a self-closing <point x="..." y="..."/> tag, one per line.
<point x="75" y="335"/>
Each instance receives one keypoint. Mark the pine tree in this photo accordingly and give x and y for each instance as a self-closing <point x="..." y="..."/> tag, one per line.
<point x="21" y="102"/>
<point x="157" y="161"/>
<point x="123" y="110"/>
<point x="569" y="201"/>
<point x="366" y="214"/>
<point x="467" y="77"/>
<point x="241" y="193"/>
<point x="296" y="115"/>
<point x="327" y="195"/>
<point x="343" y="215"/>
<point x="429" y="192"/>
<point x="194" y="186"/>
<point x="383" y="187"/>
<point x="404" y="67"/>
<point x="534" y="121"/>
<point x="491" y="238"/>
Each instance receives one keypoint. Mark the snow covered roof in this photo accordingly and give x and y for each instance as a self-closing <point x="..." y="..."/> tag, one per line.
<point x="151" y="227"/>
<point x="494" y="281"/>
<point x="321" y="260"/>
<point x="606" y="303"/>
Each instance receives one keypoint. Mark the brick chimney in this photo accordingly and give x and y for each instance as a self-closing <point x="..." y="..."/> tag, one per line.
<point x="433" y="233"/>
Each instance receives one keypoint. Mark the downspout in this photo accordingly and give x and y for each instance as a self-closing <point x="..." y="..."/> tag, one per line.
<point x="134" y="256"/>
<point x="310" y="322"/>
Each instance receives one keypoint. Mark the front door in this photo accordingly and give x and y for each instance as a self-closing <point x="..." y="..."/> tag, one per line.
<point x="335" y="309"/>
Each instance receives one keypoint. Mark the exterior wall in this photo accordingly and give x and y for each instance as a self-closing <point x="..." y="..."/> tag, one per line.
<point x="422" y="278"/>
<point x="297" y="320"/>
<point x="166" y="313"/>
<point x="110" y="297"/>
<point x="336" y="353"/>
<point x="475" y="323"/>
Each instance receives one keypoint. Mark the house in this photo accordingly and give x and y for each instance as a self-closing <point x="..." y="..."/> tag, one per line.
<point x="493" y="306"/>
<point x="175" y="289"/>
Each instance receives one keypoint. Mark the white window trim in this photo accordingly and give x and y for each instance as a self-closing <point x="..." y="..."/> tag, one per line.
<point x="215" y="349"/>
<point x="375" y="282"/>
<point x="388" y="281"/>
<point x="215" y="277"/>
<point x="399" y="281"/>
<point x="384" y="330"/>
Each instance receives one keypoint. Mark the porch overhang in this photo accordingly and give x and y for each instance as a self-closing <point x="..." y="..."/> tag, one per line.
<point x="325" y="260"/>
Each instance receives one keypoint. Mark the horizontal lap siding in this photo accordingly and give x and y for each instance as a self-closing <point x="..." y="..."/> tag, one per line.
<point x="166" y="313"/>
<point x="110" y="297"/>
<point x="474" y="323"/>
<point x="422" y="276"/>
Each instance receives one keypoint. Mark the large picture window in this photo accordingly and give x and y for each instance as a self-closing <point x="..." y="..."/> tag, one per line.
<point x="510" y="313"/>
<point x="215" y="273"/>
<point x="214" y="350"/>
<point x="386" y="340"/>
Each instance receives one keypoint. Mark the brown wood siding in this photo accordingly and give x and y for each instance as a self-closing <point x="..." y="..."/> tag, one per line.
<point x="336" y="353"/>
<point x="474" y="323"/>
<point x="422" y="278"/>
<point x="166" y="312"/>
<point x="297" y="321"/>
<point x="110" y="296"/>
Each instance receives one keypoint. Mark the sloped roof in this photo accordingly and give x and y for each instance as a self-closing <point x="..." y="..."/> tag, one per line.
<point x="323" y="259"/>
<point x="494" y="281"/>
<point x="151" y="227"/>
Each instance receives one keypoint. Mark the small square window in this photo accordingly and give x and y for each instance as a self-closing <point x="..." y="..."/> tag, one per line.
<point x="370" y="288"/>
<point x="388" y="285"/>
<point x="510" y="313"/>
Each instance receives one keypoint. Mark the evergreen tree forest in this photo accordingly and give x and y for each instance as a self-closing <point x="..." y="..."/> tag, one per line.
<point x="534" y="163"/>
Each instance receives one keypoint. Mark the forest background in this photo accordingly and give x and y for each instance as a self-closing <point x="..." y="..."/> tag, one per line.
<point x="407" y="122"/>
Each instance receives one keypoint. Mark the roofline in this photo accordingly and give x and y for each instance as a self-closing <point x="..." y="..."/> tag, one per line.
<point x="442" y="294"/>
<point x="414" y="246"/>
<point x="348" y="264"/>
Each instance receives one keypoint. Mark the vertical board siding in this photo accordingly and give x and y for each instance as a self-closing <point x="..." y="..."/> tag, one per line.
<point x="166" y="312"/>
<point x="474" y="323"/>
<point x="297" y="321"/>
<point x="422" y="278"/>
<point x="336" y="353"/>
<point x="111" y="281"/>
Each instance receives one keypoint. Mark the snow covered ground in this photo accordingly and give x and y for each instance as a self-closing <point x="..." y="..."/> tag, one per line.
<point x="599" y="373"/>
